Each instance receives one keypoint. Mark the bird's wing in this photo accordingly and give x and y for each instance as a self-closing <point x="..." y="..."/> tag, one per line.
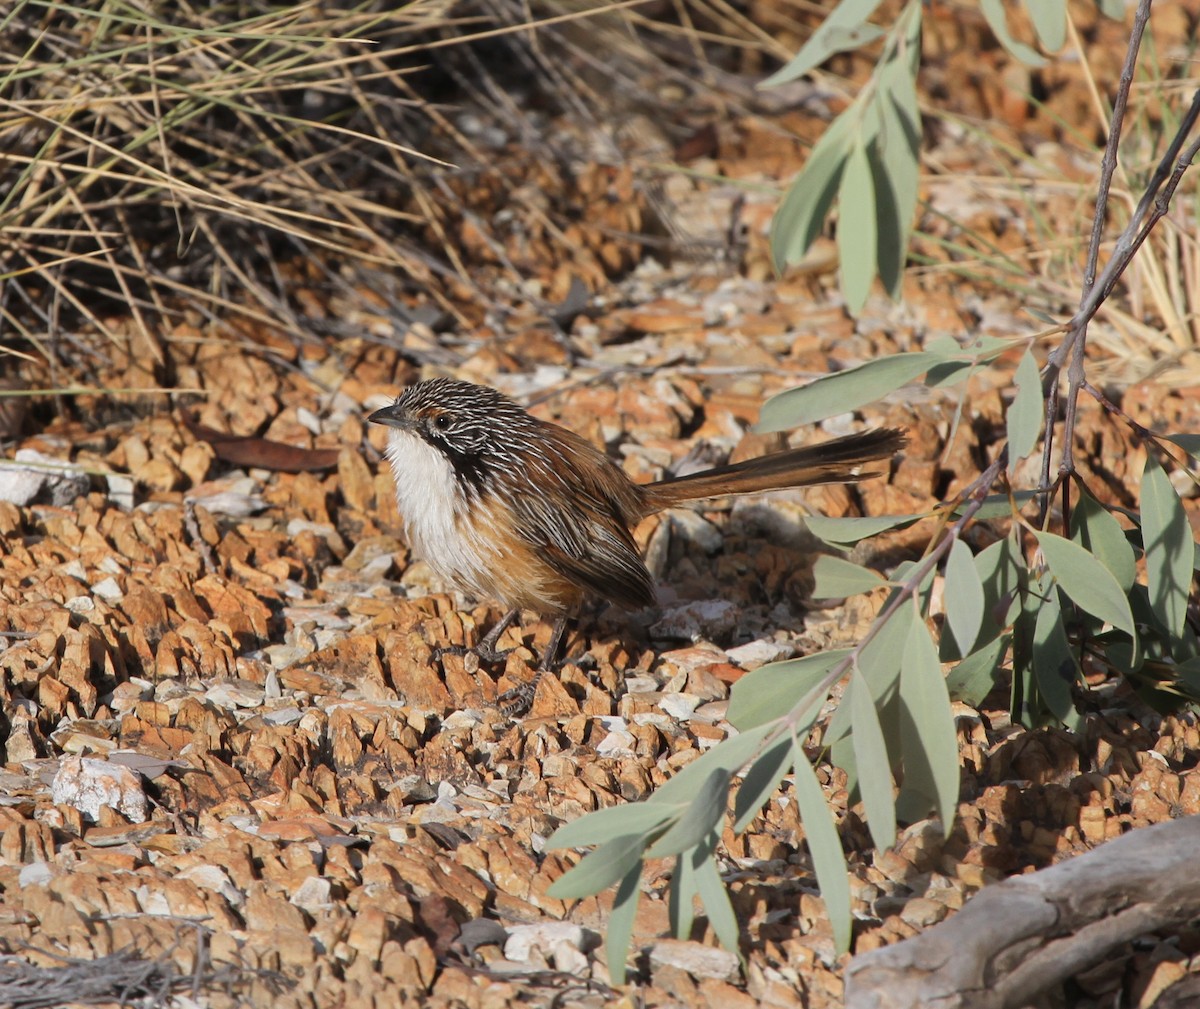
<point x="575" y="508"/>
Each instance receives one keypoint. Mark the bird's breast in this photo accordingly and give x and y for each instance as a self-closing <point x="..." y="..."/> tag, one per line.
<point x="470" y="540"/>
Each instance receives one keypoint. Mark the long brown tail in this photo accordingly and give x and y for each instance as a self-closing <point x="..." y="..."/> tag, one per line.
<point x="835" y="461"/>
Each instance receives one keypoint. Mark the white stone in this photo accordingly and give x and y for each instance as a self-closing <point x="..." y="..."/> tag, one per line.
<point x="216" y="879"/>
<point x="313" y="894"/>
<point x="696" y="959"/>
<point x="679" y="706"/>
<point x="758" y="653"/>
<point x="545" y="936"/>
<point x="87" y="784"/>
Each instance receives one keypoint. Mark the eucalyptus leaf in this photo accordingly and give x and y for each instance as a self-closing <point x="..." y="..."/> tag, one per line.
<point x="1024" y="417"/>
<point x="763" y="696"/>
<point x="963" y="596"/>
<point x="1101" y="534"/>
<point x="1049" y="19"/>
<point x="1024" y="705"/>
<point x="929" y="740"/>
<point x="825" y="847"/>
<point x="761" y="782"/>
<point x="845" y="27"/>
<point x="801" y="215"/>
<point x="1054" y="665"/>
<point x="942" y="376"/>
<point x="716" y="900"/>
<point x="620" y="923"/>
<point x="895" y="157"/>
<point x="837" y="578"/>
<point x="997" y="506"/>
<point x="601" y="868"/>
<point x="698" y="819"/>
<point x="606" y="824"/>
<point x="680" y="906"/>
<point x="999" y="566"/>
<point x="845" y="531"/>
<point x="843" y="391"/>
<point x="1087" y="581"/>
<point x="729" y="756"/>
<point x="993" y="11"/>
<point x="1170" y="549"/>
<point x="857" y="237"/>
<point x="972" y="679"/>
<point x="871" y="758"/>
<point x="1190" y="443"/>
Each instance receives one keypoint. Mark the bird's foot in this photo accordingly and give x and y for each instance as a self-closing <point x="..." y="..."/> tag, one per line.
<point x="519" y="700"/>
<point x="483" y="651"/>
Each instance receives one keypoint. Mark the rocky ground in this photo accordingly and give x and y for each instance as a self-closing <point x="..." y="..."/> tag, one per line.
<point x="233" y="759"/>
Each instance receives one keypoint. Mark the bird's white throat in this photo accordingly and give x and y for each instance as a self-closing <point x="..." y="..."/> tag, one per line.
<point x="434" y="510"/>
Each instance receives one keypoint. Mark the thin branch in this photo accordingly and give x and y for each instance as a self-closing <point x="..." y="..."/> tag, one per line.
<point x="1076" y="334"/>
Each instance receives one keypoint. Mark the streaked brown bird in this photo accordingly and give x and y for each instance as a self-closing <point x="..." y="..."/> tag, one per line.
<point x="506" y="507"/>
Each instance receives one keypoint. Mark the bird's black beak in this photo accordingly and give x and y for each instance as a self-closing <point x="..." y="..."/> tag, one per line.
<point x="390" y="416"/>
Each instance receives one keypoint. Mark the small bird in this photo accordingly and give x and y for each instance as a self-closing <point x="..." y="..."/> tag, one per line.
<point x="507" y="507"/>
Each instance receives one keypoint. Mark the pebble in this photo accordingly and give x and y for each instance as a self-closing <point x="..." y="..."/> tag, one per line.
<point x="87" y="784"/>
<point x="758" y="653"/>
<point x="235" y="694"/>
<point x="697" y="960"/>
<point x="546" y="936"/>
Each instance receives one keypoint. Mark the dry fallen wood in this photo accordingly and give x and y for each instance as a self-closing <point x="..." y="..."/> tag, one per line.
<point x="1029" y="933"/>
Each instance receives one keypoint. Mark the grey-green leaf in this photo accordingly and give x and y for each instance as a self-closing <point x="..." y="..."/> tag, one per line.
<point x="761" y="782"/>
<point x="1024" y="417"/>
<point x="837" y="578"/>
<point x="1190" y="443"/>
<point x="1088" y="582"/>
<point x="845" y="27"/>
<point x="702" y="814"/>
<point x="963" y="596"/>
<point x="680" y="900"/>
<point x="1049" y="19"/>
<point x="857" y="231"/>
<point x="1096" y="530"/>
<point x="607" y="824"/>
<point x="600" y="869"/>
<point x="730" y="755"/>
<point x="993" y="10"/>
<point x="768" y="693"/>
<point x="716" y="900"/>
<point x="929" y="739"/>
<point x="1170" y="549"/>
<point x="997" y="506"/>
<point x="843" y="391"/>
<point x="620" y="923"/>
<point x="972" y="679"/>
<point x="845" y="531"/>
<point x="801" y="215"/>
<point x="1054" y="665"/>
<point x="825" y="846"/>
<point x="871" y="758"/>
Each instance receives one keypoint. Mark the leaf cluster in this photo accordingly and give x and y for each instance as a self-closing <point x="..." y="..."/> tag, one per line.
<point x="868" y="160"/>
<point x="1110" y="591"/>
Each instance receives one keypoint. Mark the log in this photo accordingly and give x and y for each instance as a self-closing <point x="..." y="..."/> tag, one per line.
<point x="1025" y="935"/>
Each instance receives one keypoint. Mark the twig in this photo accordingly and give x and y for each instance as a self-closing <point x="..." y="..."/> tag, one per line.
<point x="193" y="528"/>
<point x="1077" y="331"/>
<point x="974" y="495"/>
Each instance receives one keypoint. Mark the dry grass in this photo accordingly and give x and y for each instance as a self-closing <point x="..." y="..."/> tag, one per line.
<point x="160" y="156"/>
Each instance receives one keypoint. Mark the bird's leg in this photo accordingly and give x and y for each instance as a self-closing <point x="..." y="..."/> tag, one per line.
<point x="486" y="649"/>
<point x="518" y="700"/>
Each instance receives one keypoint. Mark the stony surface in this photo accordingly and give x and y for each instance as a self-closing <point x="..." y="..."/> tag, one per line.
<point x="223" y="701"/>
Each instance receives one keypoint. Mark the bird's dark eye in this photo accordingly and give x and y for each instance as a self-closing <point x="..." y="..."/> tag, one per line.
<point x="441" y="422"/>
